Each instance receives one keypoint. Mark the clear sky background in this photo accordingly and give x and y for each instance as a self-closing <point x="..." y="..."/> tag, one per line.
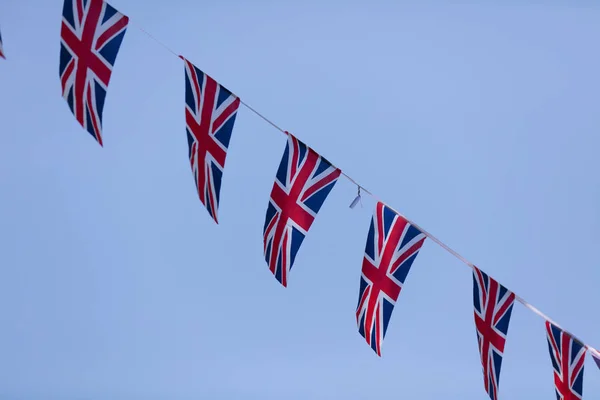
<point x="478" y="120"/>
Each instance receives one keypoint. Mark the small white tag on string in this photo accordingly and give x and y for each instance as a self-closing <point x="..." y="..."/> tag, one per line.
<point x="356" y="200"/>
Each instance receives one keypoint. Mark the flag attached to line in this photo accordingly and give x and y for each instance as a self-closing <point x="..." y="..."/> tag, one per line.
<point x="90" y="38"/>
<point x="210" y="111"/>
<point x="302" y="183"/>
<point x="392" y="246"/>
<point x="493" y="305"/>
<point x="568" y="358"/>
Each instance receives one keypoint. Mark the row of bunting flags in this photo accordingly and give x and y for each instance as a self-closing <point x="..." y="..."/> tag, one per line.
<point x="90" y="38"/>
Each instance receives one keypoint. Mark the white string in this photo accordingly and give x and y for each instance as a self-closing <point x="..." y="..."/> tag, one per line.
<point x="261" y="116"/>
<point x="425" y="232"/>
<point x="153" y="38"/>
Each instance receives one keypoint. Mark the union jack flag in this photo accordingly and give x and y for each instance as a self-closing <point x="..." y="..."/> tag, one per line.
<point x="209" y="117"/>
<point x="1" y="49"/>
<point x="302" y="183"/>
<point x="91" y="35"/>
<point x="392" y="246"/>
<point x="493" y="305"/>
<point x="568" y="357"/>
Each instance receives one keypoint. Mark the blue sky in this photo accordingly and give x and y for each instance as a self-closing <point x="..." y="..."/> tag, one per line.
<point x="477" y="120"/>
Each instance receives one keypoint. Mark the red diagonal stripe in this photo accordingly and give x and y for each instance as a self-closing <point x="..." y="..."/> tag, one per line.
<point x="321" y="183"/>
<point x="112" y="31"/>
<point x="224" y="116"/>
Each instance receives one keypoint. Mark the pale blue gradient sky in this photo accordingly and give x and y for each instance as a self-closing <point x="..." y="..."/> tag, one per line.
<point x="477" y="120"/>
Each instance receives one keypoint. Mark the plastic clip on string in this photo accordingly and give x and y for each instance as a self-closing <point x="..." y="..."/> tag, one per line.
<point x="356" y="200"/>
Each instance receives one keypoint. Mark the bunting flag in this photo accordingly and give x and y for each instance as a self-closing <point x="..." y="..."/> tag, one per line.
<point x="493" y="305"/>
<point x="392" y="246"/>
<point x="210" y="111"/>
<point x="302" y="183"/>
<point x="91" y="35"/>
<point x="568" y="358"/>
<point x="1" y="48"/>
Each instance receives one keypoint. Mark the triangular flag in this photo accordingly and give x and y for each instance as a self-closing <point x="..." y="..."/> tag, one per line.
<point x="302" y="183"/>
<point x="392" y="246"/>
<point x="210" y="111"/>
<point x="90" y="37"/>
<point x="568" y="358"/>
<point x="493" y="305"/>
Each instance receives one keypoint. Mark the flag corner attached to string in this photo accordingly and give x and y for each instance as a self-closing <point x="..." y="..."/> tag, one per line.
<point x="392" y="246"/>
<point x="90" y="38"/>
<point x="303" y="181"/>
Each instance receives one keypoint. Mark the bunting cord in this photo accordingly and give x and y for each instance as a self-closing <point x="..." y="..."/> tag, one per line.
<point x="443" y="245"/>
<point x="267" y="120"/>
